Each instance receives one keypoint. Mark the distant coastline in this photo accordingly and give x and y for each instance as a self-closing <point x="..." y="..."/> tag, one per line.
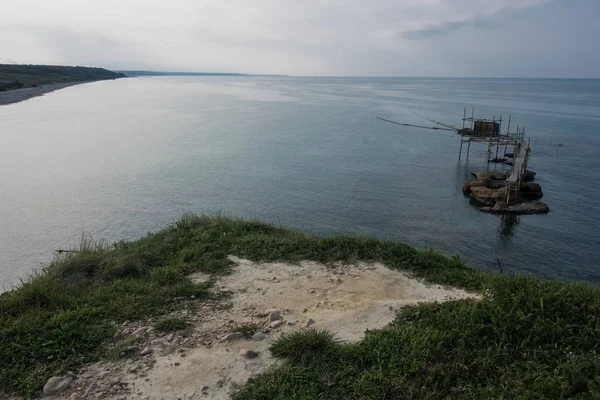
<point x="23" y="82"/>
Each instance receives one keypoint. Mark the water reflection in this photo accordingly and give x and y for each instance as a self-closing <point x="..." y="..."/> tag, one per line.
<point x="508" y="223"/>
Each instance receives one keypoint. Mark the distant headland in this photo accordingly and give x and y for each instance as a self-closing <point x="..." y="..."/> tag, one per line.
<point x="22" y="82"/>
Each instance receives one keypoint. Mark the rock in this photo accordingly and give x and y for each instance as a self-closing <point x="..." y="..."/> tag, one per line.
<point x="170" y="337"/>
<point x="274" y="316"/>
<point x="489" y="174"/>
<point x="531" y="190"/>
<point x="76" y="396"/>
<point x="249" y="354"/>
<point x="157" y="342"/>
<point x="276" y="324"/>
<point x="528" y="175"/>
<point x="147" y="350"/>
<point x="56" y="384"/>
<point x="232" y="337"/>
<point x="138" y="332"/>
<point x="259" y="337"/>
<point x="487" y="197"/>
<point x="291" y="323"/>
<point x="310" y="322"/>
<point x="115" y="381"/>
<point x="477" y="182"/>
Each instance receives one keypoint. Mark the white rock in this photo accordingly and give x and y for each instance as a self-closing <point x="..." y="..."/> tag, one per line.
<point x="232" y="337"/>
<point x="147" y="350"/>
<point x="310" y="322"/>
<point x="246" y="353"/>
<point x="56" y="384"/>
<point x="276" y="324"/>
<point x="76" y="396"/>
<point x="259" y="336"/>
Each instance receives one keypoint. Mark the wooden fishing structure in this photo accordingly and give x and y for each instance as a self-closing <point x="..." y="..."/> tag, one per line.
<point x="489" y="132"/>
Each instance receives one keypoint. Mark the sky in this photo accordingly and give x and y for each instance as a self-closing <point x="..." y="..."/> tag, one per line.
<point x="467" y="38"/>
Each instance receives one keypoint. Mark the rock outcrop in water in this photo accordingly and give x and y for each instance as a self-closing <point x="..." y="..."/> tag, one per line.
<point x="488" y="193"/>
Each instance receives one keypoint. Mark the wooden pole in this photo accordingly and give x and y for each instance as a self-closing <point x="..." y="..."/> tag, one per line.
<point x="473" y="118"/>
<point x="460" y="151"/>
<point x="464" y="116"/>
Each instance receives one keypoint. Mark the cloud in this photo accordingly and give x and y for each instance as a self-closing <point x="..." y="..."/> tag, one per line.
<point x="310" y="37"/>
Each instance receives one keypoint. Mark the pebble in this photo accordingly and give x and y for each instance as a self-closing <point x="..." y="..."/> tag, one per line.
<point x="276" y="324"/>
<point x="147" y="350"/>
<point x="310" y="322"/>
<point x="246" y="353"/>
<point x="291" y="323"/>
<point x="93" y="386"/>
<point x="259" y="336"/>
<point x="274" y="316"/>
<point x="170" y="337"/>
<point x="76" y="396"/>
<point x="232" y="337"/>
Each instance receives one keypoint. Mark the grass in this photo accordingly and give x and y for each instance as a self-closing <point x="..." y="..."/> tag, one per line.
<point x="168" y="325"/>
<point x="526" y="338"/>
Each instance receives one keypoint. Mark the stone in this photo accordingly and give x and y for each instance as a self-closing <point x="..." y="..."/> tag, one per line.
<point x="310" y="322"/>
<point x="76" y="396"/>
<point x="170" y="337"/>
<point x="259" y="337"/>
<point x="56" y="384"/>
<point x="487" y="197"/>
<point x="291" y="323"/>
<point x="247" y="353"/>
<point x="157" y="342"/>
<point x="147" y="350"/>
<point x="528" y="175"/>
<point x="232" y="337"/>
<point x="531" y="190"/>
<point x="274" y="316"/>
<point x="497" y="175"/>
<point x="477" y="182"/>
<point x="138" y="331"/>
<point x="276" y="324"/>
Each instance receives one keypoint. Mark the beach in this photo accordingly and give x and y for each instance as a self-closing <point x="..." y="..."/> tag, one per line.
<point x="18" y="95"/>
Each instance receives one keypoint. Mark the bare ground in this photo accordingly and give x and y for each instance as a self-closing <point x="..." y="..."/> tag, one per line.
<point x="199" y="364"/>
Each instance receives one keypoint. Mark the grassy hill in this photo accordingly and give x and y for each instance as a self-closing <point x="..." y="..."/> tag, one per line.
<point x="525" y="338"/>
<point x="24" y="76"/>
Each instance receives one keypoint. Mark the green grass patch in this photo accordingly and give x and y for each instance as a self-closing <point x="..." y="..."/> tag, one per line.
<point x="171" y="325"/>
<point x="526" y="338"/>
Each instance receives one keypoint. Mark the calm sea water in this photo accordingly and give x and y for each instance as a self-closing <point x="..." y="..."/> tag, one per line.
<point x="120" y="158"/>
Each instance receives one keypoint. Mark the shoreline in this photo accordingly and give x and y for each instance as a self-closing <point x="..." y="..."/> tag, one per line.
<point x="19" y="95"/>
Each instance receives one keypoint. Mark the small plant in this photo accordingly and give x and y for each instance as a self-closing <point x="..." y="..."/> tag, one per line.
<point x="304" y="344"/>
<point x="171" y="325"/>
<point x="246" y="329"/>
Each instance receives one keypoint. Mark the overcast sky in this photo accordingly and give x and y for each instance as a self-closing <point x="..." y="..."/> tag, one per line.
<point x="495" y="38"/>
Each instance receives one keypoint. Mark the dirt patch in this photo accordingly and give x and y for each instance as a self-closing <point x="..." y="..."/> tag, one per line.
<point x="268" y="298"/>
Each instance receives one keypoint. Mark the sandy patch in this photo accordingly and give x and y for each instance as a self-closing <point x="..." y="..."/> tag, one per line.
<point x="346" y="300"/>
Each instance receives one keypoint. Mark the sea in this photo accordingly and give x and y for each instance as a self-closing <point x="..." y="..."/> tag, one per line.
<point x="118" y="159"/>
